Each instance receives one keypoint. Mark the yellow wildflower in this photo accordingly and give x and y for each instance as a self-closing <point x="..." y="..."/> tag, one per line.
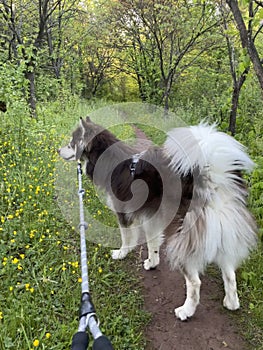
<point x="36" y="342"/>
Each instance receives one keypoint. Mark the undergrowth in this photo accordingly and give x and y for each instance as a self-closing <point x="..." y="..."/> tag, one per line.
<point x="39" y="247"/>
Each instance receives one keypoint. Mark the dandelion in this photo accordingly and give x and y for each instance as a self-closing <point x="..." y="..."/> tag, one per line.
<point x="1" y="315"/>
<point x="48" y="335"/>
<point x="36" y="343"/>
<point x="100" y="270"/>
<point x="75" y="264"/>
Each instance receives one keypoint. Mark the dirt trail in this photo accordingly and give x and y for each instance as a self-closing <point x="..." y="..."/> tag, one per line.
<point x="211" y="328"/>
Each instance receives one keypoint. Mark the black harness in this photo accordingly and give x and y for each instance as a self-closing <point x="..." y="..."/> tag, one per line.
<point x="135" y="159"/>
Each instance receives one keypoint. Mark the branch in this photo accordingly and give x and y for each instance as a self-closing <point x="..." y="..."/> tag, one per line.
<point x="239" y="21"/>
<point x="257" y="32"/>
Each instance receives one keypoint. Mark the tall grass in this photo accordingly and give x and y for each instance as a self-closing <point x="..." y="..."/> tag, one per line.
<point x="39" y="250"/>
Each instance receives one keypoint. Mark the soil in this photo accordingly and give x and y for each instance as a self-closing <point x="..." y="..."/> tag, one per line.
<point x="211" y="328"/>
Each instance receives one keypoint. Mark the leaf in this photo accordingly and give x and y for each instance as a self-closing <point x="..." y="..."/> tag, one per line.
<point x="260" y="14"/>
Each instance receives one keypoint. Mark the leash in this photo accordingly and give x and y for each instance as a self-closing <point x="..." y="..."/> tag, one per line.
<point x="87" y="314"/>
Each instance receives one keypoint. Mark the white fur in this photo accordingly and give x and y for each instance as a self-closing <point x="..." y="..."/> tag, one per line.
<point x="201" y="146"/>
<point x="130" y="237"/>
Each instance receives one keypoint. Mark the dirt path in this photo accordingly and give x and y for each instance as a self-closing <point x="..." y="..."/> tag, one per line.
<point x="211" y="328"/>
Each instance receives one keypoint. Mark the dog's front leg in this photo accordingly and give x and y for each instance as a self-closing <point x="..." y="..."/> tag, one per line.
<point x="129" y="237"/>
<point x="193" y="284"/>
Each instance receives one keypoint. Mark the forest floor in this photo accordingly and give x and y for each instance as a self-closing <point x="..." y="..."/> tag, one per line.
<point x="211" y="328"/>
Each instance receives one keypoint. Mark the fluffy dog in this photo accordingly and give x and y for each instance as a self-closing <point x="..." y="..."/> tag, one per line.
<point x="189" y="192"/>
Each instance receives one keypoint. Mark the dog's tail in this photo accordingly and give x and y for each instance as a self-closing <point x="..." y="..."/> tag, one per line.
<point x="218" y="208"/>
<point x="215" y="156"/>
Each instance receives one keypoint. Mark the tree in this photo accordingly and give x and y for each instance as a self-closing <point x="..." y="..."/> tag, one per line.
<point x="28" y="29"/>
<point x="239" y="65"/>
<point x="247" y="33"/>
<point x="161" y="39"/>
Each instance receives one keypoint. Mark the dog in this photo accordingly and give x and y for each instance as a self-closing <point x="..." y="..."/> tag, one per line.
<point x="189" y="193"/>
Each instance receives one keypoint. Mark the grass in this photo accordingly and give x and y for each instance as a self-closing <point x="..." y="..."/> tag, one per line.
<point x="39" y="248"/>
<point x="39" y="267"/>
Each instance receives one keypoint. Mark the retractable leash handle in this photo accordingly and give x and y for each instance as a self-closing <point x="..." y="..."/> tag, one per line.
<point x="102" y="343"/>
<point x="80" y="341"/>
<point x="87" y="315"/>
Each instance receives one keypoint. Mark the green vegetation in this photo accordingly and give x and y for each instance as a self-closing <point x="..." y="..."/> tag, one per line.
<point x="60" y="60"/>
<point x="39" y="269"/>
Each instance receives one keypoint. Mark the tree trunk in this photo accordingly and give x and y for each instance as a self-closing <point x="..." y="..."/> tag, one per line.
<point x="247" y="40"/>
<point x="233" y="112"/>
<point x="235" y="99"/>
<point x="30" y="76"/>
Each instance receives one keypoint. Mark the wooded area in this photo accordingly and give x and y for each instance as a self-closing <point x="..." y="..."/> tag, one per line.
<point x="169" y="52"/>
<point x="62" y="59"/>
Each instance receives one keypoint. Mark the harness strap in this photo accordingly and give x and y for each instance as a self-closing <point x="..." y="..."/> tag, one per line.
<point x="135" y="159"/>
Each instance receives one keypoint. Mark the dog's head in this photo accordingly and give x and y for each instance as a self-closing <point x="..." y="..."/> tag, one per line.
<point x="80" y="142"/>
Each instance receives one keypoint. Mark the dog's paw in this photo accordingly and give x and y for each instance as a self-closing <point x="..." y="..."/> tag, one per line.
<point x="231" y="303"/>
<point x="149" y="264"/>
<point x="183" y="313"/>
<point x="118" y="254"/>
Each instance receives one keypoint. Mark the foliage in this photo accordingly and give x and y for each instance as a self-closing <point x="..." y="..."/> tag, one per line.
<point x="39" y="268"/>
<point x="12" y="86"/>
<point x="251" y="274"/>
<point x="167" y="52"/>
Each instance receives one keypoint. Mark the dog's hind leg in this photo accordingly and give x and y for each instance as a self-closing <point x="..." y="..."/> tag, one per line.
<point x="231" y="300"/>
<point x="193" y="284"/>
<point x="129" y="237"/>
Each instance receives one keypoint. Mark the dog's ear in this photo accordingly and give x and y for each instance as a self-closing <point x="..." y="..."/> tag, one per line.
<point x="88" y="120"/>
<point x="83" y="125"/>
